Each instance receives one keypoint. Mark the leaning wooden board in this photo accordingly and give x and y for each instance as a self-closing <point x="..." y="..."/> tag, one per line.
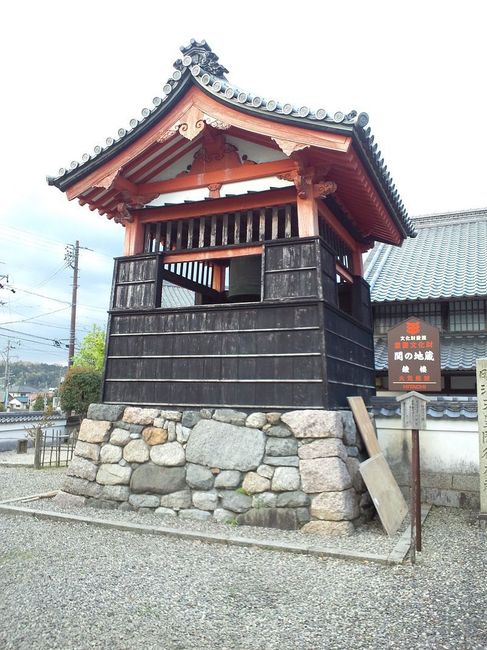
<point x="365" y="425"/>
<point x="381" y="484"/>
<point x="384" y="491"/>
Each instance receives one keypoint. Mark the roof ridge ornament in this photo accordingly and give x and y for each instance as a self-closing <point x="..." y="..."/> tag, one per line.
<point x="200" y="53"/>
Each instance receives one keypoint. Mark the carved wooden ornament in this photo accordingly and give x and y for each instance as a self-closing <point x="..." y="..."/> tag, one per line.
<point x="122" y="215"/>
<point x="289" y="147"/>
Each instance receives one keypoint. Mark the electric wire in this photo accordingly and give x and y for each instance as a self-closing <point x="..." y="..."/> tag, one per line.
<point x="24" y="320"/>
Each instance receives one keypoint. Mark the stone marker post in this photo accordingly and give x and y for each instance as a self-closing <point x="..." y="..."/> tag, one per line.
<point x="482" y="415"/>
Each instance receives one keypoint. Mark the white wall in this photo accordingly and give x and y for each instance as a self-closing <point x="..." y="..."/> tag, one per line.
<point x="446" y="446"/>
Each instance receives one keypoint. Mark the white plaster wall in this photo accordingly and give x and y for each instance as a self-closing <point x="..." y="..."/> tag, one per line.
<point x="446" y="446"/>
<point x="12" y="431"/>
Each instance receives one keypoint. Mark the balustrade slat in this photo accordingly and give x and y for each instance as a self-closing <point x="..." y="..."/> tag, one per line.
<point x="237" y="229"/>
<point x="225" y="230"/>
<point x="213" y="231"/>
<point x="202" y="223"/>
<point x="178" y="236"/>
<point x="250" y="219"/>
<point x="275" y="223"/>
<point x="262" y="224"/>
<point x="287" y="221"/>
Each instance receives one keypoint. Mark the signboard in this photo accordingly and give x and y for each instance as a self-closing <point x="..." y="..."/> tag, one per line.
<point x="413" y="410"/>
<point x="482" y="410"/>
<point x="414" y="356"/>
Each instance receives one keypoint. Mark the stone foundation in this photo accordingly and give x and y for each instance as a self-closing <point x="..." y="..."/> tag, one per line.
<point x="290" y="470"/>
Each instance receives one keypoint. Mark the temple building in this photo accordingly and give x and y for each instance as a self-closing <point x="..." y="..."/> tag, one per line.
<point x="260" y="210"/>
<point x="440" y="277"/>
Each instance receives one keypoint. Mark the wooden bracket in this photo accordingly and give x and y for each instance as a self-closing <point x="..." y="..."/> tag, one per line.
<point x="122" y="214"/>
<point x="310" y="181"/>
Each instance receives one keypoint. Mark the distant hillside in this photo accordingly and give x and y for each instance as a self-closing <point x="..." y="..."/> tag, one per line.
<point x="37" y="375"/>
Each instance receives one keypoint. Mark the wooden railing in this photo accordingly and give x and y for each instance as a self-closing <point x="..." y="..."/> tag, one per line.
<point x="229" y="229"/>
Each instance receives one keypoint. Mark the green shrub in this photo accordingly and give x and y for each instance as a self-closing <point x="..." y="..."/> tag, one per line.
<point x="80" y="388"/>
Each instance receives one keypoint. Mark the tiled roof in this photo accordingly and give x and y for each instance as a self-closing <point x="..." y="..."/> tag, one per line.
<point x="200" y="66"/>
<point x="458" y="352"/>
<point x="438" y="407"/>
<point x="446" y="260"/>
<point x="11" y="417"/>
<point x="173" y="296"/>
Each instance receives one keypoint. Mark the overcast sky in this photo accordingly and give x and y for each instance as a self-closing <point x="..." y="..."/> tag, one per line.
<point x="74" y="73"/>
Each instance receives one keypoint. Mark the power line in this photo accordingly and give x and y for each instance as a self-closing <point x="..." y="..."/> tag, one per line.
<point x="36" y="336"/>
<point x="63" y="302"/>
<point x="56" y="351"/>
<point x="24" y="320"/>
<point x="53" y="275"/>
<point x="36" y="236"/>
<point x="20" y="338"/>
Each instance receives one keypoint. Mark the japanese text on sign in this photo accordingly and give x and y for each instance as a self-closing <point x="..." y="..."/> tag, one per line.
<point x="414" y="356"/>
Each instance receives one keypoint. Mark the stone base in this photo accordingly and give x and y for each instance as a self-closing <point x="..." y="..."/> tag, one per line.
<point x="290" y="470"/>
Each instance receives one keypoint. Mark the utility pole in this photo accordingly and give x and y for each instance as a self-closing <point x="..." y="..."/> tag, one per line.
<point x="9" y="347"/>
<point x="72" y="256"/>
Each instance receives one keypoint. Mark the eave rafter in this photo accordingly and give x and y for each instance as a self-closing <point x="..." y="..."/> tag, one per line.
<point x="190" y="120"/>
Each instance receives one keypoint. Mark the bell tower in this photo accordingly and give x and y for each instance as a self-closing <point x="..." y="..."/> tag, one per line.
<point x="259" y="213"/>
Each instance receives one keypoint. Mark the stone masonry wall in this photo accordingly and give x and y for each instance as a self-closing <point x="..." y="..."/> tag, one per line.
<point x="290" y="470"/>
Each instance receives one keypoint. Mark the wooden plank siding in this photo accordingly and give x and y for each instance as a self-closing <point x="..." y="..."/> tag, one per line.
<point x="217" y="355"/>
<point x="137" y="282"/>
<point x="349" y="351"/>
<point x="294" y="349"/>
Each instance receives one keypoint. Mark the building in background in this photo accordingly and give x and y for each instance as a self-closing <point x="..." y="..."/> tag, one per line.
<point x="440" y="277"/>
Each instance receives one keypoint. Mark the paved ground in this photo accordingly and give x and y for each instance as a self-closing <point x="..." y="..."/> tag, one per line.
<point x="74" y="586"/>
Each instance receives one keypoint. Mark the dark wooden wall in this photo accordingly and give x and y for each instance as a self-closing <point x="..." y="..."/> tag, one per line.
<point x="349" y="351"/>
<point x="294" y="349"/>
<point x="137" y="282"/>
<point x="265" y="356"/>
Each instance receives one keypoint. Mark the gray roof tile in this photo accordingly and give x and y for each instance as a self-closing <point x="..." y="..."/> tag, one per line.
<point x="200" y="66"/>
<point x="439" y="407"/>
<point x="458" y="352"/>
<point x="173" y="296"/>
<point x="446" y="260"/>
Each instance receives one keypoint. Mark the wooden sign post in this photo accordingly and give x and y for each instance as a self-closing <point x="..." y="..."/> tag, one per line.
<point x="413" y="416"/>
<point x="414" y="365"/>
<point x="482" y="416"/>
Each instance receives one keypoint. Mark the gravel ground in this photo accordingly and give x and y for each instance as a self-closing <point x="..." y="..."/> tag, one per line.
<point x="368" y="539"/>
<point x="22" y="481"/>
<point x="75" y="586"/>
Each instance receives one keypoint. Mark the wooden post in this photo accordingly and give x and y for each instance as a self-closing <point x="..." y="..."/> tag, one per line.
<point x="134" y="238"/>
<point x="37" y="449"/>
<point x="413" y="416"/>
<point x="482" y="418"/>
<point x="416" y="488"/>
<point x="307" y="216"/>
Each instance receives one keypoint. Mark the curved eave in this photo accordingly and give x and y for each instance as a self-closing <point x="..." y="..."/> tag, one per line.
<point x="73" y="176"/>
<point x="361" y="141"/>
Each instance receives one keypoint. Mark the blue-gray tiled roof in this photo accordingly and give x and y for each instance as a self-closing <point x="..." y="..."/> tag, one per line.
<point x="438" y="407"/>
<point x="458" y="352"/>
<point x="173" y="296"/>
<point x="446" y="260"/>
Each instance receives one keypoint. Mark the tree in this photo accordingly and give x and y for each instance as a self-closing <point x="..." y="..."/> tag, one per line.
<point x="92" y="350"/>
<point x="80" y="388"/>
<point x="39" y="403"/>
